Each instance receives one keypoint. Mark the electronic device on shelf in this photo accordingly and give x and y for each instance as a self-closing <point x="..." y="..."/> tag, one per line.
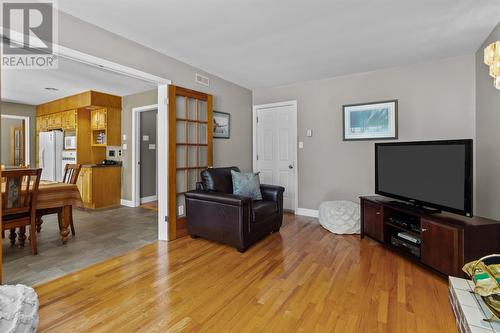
<point x="409" y="237"/>
<point x="434" y="174"/>
<point x="405" y="246"/>
<point x="408" y="222"/>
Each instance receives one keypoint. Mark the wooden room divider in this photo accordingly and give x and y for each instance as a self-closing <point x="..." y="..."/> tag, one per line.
<point x="189" y="150"/>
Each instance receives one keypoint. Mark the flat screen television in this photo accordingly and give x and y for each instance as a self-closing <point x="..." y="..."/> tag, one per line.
<point x="435" y="174"/>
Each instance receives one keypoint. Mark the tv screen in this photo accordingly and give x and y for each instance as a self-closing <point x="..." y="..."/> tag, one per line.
<point x="435" y="174"/>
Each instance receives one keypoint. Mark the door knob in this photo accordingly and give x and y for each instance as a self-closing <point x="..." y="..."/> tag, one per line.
<point x="290" y="166"/>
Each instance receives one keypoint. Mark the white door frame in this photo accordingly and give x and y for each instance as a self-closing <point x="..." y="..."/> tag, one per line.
<point x="292" y="103"/>
<point x="162" y="142"/>
<point x="27" y="151"/>
<point x="136" y="151"/>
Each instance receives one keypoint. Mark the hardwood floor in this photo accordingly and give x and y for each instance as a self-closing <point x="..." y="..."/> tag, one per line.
<point x="302" y="279"/>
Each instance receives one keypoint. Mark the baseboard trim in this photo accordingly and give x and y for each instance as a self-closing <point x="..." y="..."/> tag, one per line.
<point x="128" y="203"/>
<point x="307" y="212"/>
<point x="149" y="199"/>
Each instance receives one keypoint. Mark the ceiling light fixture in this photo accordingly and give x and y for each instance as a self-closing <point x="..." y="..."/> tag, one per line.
<point x="492" y="59"/>
<point x="51" y="89"/>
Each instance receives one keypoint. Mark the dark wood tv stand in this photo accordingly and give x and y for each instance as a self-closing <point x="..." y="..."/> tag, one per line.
<point x="447" y="241"/>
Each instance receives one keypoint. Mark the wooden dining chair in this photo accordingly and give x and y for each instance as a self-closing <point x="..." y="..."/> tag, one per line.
<point x="71" y="172"/>
<point x="19" y="195"/>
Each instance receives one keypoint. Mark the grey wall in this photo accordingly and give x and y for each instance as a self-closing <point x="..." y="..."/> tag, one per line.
<point x="228" y="97"/>
<point x="436" y="101"/>
<point x="487" y="136"/>
<point x="25" y="110"/>
<point x="148" y="156"/>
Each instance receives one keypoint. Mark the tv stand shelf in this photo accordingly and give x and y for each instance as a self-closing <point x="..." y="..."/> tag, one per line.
<point x="443" y="242"/>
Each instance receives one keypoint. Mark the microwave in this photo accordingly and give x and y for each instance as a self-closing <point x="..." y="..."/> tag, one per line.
<point x="70" y="142"/>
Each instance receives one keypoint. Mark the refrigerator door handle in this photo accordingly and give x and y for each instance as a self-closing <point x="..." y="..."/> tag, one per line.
<point x="43" y="158"/>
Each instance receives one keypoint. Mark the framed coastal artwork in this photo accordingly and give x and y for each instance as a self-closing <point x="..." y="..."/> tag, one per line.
<point x="222" y="125"/>
<point x="370" y="121"/>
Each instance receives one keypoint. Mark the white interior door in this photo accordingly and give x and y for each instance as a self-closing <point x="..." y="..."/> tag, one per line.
<point x="276" y="142"/>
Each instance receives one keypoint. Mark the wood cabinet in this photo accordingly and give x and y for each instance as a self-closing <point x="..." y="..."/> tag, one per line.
<point x="440" y="246"/>
<point x="84" y="184"/>
<point x="106" y="127"/>
<point x="69" y="120"/>
<point x="443" y="242"/>
<point x="54" y="121"/>
<point x="98" y="119"/>
<point x="100" y="187"/>
<point x="372" y="215"/>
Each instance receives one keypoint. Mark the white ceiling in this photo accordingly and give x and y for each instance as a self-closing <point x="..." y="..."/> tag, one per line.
<point x="259" y="43"/>
<point x="28" y="86"/>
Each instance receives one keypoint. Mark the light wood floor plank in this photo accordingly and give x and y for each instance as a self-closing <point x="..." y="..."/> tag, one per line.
<point x="302" y="279"/>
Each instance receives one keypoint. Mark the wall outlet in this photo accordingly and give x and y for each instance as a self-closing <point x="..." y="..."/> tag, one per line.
<point x="301" y="144"/>
<point x="181" y="210"/>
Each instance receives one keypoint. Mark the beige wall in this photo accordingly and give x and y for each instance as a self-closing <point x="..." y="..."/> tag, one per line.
<point x="487" y="136"/>
<point x="436" y="101"/>
<point x="25" y="110"/>
<point x="228" y="97"/>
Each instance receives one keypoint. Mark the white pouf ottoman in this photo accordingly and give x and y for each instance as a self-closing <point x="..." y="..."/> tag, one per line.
<point x="340" y="217"/>
<point x="18" y="309"/>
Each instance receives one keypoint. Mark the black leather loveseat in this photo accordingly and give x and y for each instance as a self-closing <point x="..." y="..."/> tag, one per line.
<point x="214" y="212"/>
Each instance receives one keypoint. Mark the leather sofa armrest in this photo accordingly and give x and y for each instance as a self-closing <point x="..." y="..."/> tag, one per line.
<point x="222" y="198"/>
<point x="271" y="192"/>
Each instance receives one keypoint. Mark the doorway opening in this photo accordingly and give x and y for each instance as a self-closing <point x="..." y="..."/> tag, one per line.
<point x="92" y="132"/>
<point x="15" y="131"/>
<point x="145" y="156"/>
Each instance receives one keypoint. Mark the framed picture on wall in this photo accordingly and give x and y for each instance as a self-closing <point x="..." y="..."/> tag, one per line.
<point x="370" y="121"/>
<point x="222" y="125"/>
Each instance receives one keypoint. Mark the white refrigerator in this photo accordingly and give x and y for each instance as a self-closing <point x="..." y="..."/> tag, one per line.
<point x="50" y="147"/>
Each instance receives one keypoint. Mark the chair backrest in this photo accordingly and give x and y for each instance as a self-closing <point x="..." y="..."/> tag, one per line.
<point x="19" y="190"/>
<point x="218" y="179"/>
<point x="71" y="172"/>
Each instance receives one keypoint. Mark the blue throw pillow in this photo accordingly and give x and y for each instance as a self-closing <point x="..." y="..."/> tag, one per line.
<point x="246" y="184"/>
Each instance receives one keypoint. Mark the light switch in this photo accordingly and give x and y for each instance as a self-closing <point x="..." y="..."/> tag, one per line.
<point x="124" y="137"/>
<point x="145" y="138"/>
<point x="152" y="146"/>
<point x="124" y="147"/>
<point x="309" y="133"/>
<point x="301" y="144"/>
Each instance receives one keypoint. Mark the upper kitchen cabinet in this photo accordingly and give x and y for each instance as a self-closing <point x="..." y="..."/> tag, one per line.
<point x="106" y="127"/>
<point x="89" y="100"/>
<point x="69" y="120"/>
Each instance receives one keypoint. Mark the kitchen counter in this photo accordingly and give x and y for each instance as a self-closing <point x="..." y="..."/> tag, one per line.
<point x="100" y="185"/>
<point x="101" y="165"/>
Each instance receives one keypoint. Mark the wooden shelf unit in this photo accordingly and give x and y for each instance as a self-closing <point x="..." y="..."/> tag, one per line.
<point x="448" y="241"/>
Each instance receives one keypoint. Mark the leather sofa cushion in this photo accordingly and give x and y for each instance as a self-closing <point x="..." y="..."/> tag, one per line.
<point x="263" y="209"/>
<point x="218" y="179"/>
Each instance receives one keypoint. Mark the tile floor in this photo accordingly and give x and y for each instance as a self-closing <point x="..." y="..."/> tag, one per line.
<point x="100" y="234"/>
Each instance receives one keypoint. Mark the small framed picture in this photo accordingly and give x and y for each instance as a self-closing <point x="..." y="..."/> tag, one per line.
<point x="370" y="121"/>
<point x="222" y="125"/>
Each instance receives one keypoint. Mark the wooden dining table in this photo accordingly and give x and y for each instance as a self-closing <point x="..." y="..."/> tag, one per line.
<point x="58" y="195"/>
